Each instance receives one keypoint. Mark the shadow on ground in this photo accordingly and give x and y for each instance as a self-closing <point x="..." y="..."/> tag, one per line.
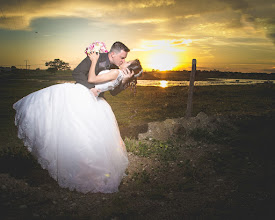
<point x="231" y="180"/>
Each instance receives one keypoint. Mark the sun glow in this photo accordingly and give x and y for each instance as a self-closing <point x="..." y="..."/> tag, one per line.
<point x="163" y="83"/>
<point x="162" y="61"/>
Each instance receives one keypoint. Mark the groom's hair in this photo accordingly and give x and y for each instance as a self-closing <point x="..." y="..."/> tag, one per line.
<point x="118" y="46"/>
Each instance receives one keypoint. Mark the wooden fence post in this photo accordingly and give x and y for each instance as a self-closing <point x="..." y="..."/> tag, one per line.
<point x="190" y="90"/>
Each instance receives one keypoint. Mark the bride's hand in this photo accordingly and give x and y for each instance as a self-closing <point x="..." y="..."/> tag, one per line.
<point x="95" y="91"/>
<point x="93" y="56"/>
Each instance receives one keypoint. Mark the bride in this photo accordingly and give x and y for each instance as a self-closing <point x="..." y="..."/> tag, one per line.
<point x="74" y="134"/>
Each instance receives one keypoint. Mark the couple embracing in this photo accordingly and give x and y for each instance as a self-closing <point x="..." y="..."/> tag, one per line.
<point x="72" y="130"/>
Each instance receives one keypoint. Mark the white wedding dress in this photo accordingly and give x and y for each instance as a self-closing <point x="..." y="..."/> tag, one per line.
<point x="74" y="135"/>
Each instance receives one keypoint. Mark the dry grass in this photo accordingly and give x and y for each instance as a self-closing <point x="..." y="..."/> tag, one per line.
<point x="222" y="174"/>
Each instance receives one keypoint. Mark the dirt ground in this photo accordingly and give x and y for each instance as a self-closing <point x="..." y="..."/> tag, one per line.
<point x="199" y="178"/>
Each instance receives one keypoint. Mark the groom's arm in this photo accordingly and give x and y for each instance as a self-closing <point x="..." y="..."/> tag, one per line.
<point x="128" y="77"/>
<point x="80" y="73"/>
<point x="118" y="89"/>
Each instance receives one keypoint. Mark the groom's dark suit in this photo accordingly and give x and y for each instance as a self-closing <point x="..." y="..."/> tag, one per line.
<point x="80" y="73"/>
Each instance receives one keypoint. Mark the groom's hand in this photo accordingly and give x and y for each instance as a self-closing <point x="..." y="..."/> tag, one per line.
<point x="95" y="91"/>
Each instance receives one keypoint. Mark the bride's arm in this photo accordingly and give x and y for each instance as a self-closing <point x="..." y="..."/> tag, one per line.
<point x="93" y="78"/>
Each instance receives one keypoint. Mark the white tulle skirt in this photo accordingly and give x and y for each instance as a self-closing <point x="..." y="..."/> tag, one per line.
<point x="73" y="135"/>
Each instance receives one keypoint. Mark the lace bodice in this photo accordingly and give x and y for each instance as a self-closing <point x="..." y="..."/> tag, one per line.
<point x="107" y="86"/>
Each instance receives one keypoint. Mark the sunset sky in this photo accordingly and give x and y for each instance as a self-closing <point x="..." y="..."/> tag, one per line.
<point x="227" y="35"/>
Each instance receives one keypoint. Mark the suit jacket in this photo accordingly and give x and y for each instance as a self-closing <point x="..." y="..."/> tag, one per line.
<point x="80" y="73"/>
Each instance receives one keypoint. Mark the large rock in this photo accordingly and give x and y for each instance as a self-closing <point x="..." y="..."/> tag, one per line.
<point x="161" y="130"/>
<point x="178" y="126"/>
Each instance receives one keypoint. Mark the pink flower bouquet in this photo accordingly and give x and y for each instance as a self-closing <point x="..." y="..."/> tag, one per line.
<point x="97" y="46"/>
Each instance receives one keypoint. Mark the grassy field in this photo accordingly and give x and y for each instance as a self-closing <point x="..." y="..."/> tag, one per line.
<point x="224" y="174"/>
<point x="150" y="103"/>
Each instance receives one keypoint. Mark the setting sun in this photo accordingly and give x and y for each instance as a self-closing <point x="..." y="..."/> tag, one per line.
<point x="163" y="83"/>
<point x="162" y="61"/>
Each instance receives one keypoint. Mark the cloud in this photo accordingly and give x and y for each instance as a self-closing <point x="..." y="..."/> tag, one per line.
<point x="13" y="10"/>
<point x="272" y="70"/>
<point x="164" y="45"/>
<point x="260" y="13"/>
<point x="154" y="19"/>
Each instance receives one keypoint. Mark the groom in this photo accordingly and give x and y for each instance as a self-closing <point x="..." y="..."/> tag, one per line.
<point x="106" y="61"/>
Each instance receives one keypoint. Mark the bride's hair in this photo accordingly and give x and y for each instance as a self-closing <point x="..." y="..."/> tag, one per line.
<point x="135" y="66"/>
